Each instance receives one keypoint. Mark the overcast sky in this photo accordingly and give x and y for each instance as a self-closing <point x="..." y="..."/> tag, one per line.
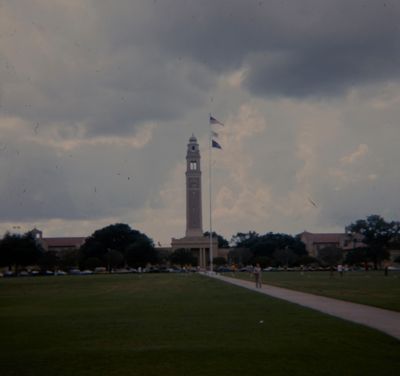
<point x="99" y="98"/>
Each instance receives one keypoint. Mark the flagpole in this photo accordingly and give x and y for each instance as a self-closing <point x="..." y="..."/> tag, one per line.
<point x="210" y="194"/>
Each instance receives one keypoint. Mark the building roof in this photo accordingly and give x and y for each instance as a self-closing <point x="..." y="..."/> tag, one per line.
<point x="325" y="237"/>
<point x="64" y="242"/>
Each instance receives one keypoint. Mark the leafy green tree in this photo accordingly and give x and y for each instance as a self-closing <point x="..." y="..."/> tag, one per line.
<point x="378" y="235"/>
<point x="359" y="256"/>
<point x="140" y="253"/>
<point x="285" y="257"/>
<point x="330" y="256"/>
<point x="118" y="237"/>
<point x="19" y="250"/>
<point x="183" y="257"/>
<point x="240" y="256"/>
<point x="222" y="242"/>
<point x="91" y="263"/>
<point x="245" y="240"/>
<point x="219" y="261"/>
<point x="48" y="260"/>
<point x="68" y="259"/>
<point x="263" y="261"/>
<point x="114" y="259"/>
<point x="307" y="260"/>
<point x="270" y="245"/>
<point x="7" y="246"/>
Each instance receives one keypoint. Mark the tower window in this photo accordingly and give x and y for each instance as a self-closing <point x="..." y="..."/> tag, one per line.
<point x="193" y="165"/>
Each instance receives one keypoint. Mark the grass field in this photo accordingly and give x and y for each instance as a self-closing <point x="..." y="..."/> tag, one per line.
<point x="371" y="288"/>
<point x="160" y="324"/>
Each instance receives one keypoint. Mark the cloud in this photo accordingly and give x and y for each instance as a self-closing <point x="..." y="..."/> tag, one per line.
<point x="81" y="77"/>
<point x="358" y="154"/>
<point x="304" y="49"/>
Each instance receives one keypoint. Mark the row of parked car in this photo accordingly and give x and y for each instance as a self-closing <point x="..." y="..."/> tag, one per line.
<point x="100" y="270"/>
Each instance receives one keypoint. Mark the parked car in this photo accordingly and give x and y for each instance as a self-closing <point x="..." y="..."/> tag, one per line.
<point x="223" y="269"/>
<point x="100" y="270"/>
<point x="86" y="272"/>
<point x="269" y="269"/>
<point x="122" y="271"/>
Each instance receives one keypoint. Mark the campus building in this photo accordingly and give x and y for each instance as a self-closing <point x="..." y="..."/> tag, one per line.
<point x="58" y="244"/>
<point x="317" y="241"/>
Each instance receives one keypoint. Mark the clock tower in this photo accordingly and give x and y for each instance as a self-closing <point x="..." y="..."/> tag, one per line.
<point x="194" y="240"/>
<point x="194" y="223"/>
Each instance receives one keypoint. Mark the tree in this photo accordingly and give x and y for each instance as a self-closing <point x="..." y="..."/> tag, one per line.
<point x="222" y="242"/>
<point x="119" y="238"/>
<point x="307" y="260"/>
<point x="68" y="259"/>
<point x="263" y="261"/>
<point x="358" y="256"/>
<point x="285" y="257"/>
<point x="114" y="259"/>
<point x="240" y="256"/>
<point x="219" y="261"/>
<point x="140" y="253"/>
<point x="245" y="240"/>
<point x="378" y="235"/>
<point x="330" y="256"/>
<point x="183" y="257"/>
<point x="271" y="245"/>
<point x="48" y="260"/>
<point x="19" y="250"/>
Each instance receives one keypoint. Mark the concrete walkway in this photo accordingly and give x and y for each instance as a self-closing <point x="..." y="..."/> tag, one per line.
<point x="381" y="319"/>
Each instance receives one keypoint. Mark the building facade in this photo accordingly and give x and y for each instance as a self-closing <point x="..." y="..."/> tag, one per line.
<point x="58" y="244"/>
<point x="314" y="242"/>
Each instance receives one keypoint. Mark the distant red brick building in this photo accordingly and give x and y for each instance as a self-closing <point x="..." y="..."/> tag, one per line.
<point x="316" y="241"/>
<point x="58" y="244"/>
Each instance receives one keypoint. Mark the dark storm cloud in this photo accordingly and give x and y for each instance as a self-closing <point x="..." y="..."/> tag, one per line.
<point x="73" y="69"/>
<point x="108" y="67"/>
<point x="289" y="48"/>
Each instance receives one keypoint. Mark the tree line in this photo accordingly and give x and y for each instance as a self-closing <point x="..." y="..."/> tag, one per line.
<point x="118" y="245"/>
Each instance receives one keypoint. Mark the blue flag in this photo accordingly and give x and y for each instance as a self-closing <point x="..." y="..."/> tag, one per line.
<point x="216" y="145"/>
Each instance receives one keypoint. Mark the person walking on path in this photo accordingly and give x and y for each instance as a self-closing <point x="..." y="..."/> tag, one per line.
<point x="257" y="274"/>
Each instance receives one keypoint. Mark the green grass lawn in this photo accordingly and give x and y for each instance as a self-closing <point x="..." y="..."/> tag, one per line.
<point x="371" y="288"/>
<point x="162" y="324"/>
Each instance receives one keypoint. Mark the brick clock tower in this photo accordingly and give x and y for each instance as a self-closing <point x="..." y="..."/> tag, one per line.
<point x="194" y="222"/>
<point x="194" y="239"/>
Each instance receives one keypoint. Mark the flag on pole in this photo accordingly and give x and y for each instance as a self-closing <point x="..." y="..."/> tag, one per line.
<point x="213" y="120"/>
<point x="216" y="145"/>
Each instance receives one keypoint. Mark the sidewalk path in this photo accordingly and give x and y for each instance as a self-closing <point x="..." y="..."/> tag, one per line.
<point x="381" y="319"/>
